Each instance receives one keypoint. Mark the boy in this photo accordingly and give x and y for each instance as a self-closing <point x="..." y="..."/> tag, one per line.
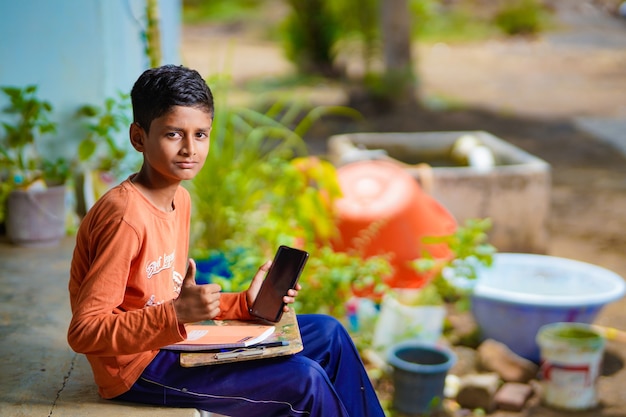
<point x="132" y="286"/>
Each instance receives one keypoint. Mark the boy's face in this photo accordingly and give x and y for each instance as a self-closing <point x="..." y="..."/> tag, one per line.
<point x="177" y="145"/>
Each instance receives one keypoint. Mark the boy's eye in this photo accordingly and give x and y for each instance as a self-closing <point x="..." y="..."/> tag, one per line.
<point x="173" y="135"/>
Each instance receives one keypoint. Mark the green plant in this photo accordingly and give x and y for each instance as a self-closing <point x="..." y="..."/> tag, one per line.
<point x="260" y="190"/>
<point x="451" y="22"/>
<point x="222" y="11"/>
<point x="522" y="17"/>
<point x="19" y="157"/>
<point x="21" y="164"/>
<point x="331" y="278"/>
<point x="310" y="34"/>
<point x="245" y="155"/>
<point x="57" y="171"/>
<point x="316" y="32"/>
<point x="152" y="34"/>
<point x="454" y="277"/>
<point x="302" y="214"/>
<point x="248" y="166"/>
<point x="100" y="149"/>
<point x="299" y="212"/>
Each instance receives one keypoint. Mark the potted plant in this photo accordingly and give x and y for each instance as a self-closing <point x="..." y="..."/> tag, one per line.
<point x="33" y="192"/>
<point x="455" y="277"/>
<point x="102" y="159"/>
<point x="421" y="313"/>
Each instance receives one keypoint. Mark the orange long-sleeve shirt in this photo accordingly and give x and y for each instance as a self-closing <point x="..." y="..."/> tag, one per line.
<point x="127" y="268"/>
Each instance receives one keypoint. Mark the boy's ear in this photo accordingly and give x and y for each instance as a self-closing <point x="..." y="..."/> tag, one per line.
<point x="137" y="136"/>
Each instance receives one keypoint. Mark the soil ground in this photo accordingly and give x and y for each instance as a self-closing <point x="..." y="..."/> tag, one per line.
<point x="561" y="97"/>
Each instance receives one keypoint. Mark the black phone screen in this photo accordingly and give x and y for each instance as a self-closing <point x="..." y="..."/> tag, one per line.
<point x="283" y="275"/>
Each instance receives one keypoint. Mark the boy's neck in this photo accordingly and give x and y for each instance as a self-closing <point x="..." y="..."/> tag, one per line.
<point x="159" y="193"/>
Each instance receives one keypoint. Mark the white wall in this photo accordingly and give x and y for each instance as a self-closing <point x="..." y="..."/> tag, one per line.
<point x="79" y="52"/>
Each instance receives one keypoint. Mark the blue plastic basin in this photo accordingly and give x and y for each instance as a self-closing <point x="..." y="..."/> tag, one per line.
<point x="522" y="292"/>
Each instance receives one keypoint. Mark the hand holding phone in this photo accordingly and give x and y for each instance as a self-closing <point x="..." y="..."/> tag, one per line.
<point x="282" y="276"/>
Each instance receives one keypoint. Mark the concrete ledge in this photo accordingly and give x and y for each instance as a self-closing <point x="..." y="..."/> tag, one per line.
<point x="40" y="374"/>
<point x="79" y="397"/>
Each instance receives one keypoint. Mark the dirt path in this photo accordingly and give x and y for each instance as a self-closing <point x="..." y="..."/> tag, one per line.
<point x="537" y="94"/>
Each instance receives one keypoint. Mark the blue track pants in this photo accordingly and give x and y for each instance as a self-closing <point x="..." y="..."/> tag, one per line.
<point x="326" y="379"/>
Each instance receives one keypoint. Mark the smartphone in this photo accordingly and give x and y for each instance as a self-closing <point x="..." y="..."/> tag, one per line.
<point x="283" y="275"/>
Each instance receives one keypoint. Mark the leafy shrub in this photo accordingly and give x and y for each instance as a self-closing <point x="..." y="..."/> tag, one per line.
<point x="522" y="17"/>
<point x="455" y="277"/>
<point x="259" y="190"/>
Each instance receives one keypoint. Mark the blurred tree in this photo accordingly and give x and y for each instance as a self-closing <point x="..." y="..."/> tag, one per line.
<point x="316" y="29"/>
<point x="312" y="32"/>
<point x="398" y="75"/>
<point x="152" y="34"/>
<point x="359" y="24"/>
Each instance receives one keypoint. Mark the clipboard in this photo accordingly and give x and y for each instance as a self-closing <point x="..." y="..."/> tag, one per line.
<point x="287" y="330"/>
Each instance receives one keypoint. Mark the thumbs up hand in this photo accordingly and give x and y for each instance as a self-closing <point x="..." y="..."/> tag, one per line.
<point x="196" y="302"/>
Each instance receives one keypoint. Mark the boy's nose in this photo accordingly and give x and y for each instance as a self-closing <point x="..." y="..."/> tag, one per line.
<point x="188" y="147"/>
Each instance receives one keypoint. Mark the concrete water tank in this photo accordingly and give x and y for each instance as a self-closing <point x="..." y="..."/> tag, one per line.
<point x="514" y="192"/>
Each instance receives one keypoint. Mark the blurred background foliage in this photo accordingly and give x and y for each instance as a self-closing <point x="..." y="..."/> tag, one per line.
<point x="434" y="20"/>
<point x="260" y="189"/>
<point x="223" y="11"/>
<point x="320" y="37"/>
<point x="335" y="21"/>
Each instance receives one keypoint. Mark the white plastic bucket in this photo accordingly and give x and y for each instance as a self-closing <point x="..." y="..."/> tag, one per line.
<point x="36" y="217"/>
<point x="571" y="356"/>
<point x="400" y="321"/>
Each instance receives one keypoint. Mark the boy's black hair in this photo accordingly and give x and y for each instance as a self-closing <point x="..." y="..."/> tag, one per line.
<point x="157" y="90"/>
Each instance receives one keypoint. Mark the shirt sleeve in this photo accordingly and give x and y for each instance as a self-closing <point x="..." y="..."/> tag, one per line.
<point x="234" y="306"/>
<point x="99" y="326"/>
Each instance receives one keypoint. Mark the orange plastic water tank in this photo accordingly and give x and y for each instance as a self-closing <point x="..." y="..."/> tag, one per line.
<point x="383" y="210"/>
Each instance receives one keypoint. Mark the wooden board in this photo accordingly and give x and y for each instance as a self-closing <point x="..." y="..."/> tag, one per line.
<point x="286" y="330"/>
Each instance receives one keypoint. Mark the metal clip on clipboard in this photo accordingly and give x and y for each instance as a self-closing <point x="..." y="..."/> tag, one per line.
<point x="290" y="344"/>
<point x="240" y="353"/>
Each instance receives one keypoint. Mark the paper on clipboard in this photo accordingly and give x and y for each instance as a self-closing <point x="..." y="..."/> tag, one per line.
<point x="286" y="330"/>
<point x="210" y="336"/>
